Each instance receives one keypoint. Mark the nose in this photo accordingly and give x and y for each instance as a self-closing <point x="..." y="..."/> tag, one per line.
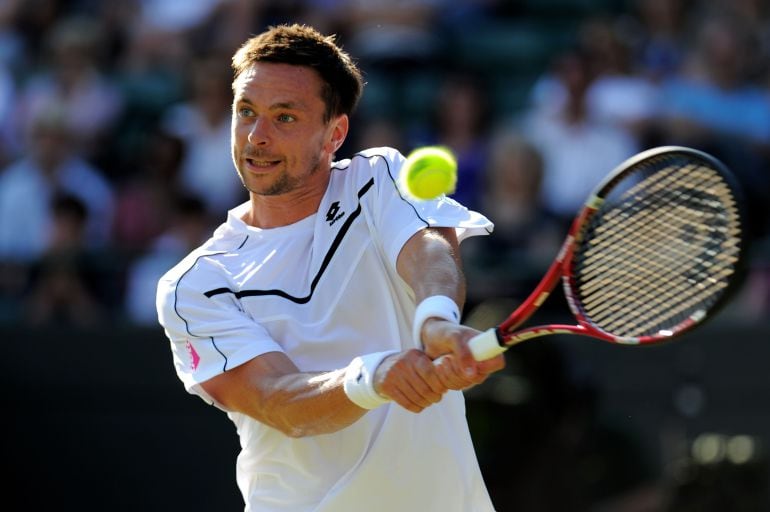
<point x="258" y="135"/>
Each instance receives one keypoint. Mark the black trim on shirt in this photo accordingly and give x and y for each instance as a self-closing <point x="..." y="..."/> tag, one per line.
<point x="332" y="249"/>
<point x="324" y="264"/>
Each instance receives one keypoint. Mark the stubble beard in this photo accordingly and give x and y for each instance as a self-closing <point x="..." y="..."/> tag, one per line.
<point x="284" y="183"/>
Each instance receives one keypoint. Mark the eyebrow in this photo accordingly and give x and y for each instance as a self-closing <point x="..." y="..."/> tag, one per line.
<point x="281" y="105"/>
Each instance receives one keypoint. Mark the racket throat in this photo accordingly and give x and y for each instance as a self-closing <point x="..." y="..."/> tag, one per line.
<point x="536" y="332"/>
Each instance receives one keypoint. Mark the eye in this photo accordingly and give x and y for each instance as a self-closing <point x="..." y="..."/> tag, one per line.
<point x="245" y="112"/>
<point x="286" y="118"/>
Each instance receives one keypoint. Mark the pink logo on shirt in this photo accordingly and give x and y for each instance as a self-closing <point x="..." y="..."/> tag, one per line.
<point x="193" y="355"/>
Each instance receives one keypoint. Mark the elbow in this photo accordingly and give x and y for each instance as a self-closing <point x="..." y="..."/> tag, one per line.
<point x="300" y="430"/>
<point x="285" y="427"/>
<point x="276" y="412"/>
<point x="294" y="432"/>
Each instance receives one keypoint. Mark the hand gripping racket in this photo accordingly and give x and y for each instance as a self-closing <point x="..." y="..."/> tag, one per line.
<point x="654" y="251"/>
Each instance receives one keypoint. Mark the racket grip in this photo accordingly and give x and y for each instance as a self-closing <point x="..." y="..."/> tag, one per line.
<point x="483" y="346"/>
<point x="486" y="345"/>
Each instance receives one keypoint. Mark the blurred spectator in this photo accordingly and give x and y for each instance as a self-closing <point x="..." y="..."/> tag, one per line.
<point x="578" y="150"/>
<point x="526" y="237"/>
<point x="175" y="16"/>
<point x="188" y="228"/>
<point x="203" y="124"/>
<point x="460" y="120"/>
<point x="713" y="105"/>
<point x="28" y="185"/>
<point x="754" y="15"/>
<point x="190" y="28"/>
<point x="712" y="98"/>
<point x="227" y="26"/>
<point x="151" y="72"/>
<point x="396" y="33"/>
<point x="661" y="43"/>
<point x="374" y="133"/>
<point x="398" y="47"/>
<point x="619" y="94"/>
<point x="63" y="286"/>
<point x="143" y="209"/>
<point x="11" y="44"/>
<point x="32" y="21"/>
<point x="10" y="54"/>
<point x="7" y="101"/>
<point x="73" y="81"/>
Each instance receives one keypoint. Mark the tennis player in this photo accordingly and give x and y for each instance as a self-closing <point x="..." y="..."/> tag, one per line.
<point x="314" y="312"/>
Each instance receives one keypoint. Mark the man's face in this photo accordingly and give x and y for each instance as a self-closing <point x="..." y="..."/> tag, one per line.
<point x="280" y="141"/>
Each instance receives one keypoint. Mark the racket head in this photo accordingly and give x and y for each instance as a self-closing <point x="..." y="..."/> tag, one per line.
<point x="659" y="249"/>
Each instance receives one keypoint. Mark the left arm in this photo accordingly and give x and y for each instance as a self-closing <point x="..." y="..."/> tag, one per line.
<point x="430" y="263"/>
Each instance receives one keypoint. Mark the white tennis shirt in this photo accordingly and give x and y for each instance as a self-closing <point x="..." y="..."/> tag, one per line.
<point x="325" y="290"/>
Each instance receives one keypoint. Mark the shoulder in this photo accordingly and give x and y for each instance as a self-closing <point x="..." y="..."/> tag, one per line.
<point x="372" y="161"/>
<point x="203" y="268"/>
<point x="373" y="167"/>
<point x="184" y="286"/>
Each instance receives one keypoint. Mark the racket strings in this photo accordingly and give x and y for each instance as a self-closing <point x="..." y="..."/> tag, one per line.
<point x="636" y="248"/>
<point x="651" y="292"/>
<point x="659" y="253"/>
<point x="650" y="234"/>
<point x="668" y="295"/>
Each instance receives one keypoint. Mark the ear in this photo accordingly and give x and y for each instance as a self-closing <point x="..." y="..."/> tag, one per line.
<point x="339" y="131"/>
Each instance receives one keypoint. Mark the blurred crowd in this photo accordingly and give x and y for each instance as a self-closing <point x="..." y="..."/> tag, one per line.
<point x="114" y="125"/>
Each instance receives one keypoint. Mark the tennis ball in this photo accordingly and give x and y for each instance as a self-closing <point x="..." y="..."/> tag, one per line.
<point x="429" y="171"/>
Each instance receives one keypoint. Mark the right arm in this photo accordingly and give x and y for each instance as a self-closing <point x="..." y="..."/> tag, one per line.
<point x="259" y="379"/>
<point x="271" y="389"/>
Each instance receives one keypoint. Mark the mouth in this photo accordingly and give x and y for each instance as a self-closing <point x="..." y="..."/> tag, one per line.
<point x="261" y="165"/>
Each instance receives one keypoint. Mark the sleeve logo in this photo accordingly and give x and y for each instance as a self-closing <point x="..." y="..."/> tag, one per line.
<point x="194" y="357"/>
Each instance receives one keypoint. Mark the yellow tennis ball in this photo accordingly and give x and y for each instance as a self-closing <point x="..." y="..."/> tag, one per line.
<point x="430" y="171"/>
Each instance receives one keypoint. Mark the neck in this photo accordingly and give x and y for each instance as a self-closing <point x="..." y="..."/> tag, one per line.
<point x="284" y="209"/>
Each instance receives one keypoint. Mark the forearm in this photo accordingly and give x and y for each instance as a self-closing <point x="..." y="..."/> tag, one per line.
<point x="430" y="264"/>
<point x="306" y="404"/>
<point x="272" y="390"/>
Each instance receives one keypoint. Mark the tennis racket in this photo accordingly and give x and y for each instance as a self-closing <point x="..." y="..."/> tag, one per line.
<point x="653" y="253"/>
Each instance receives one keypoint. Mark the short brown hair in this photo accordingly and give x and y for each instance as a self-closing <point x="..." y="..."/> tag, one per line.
<point x="301" y="45"/>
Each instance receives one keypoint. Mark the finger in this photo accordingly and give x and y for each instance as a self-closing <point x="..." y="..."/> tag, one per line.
<point x="486" y="368"/>
<point x="405" y="402"/>
<point x="468" y="364"/>
<point x="450" y="373"/>
<point x="495" y="364"/>
<point x="403" y="381"/>
<point x="453" y="339"/>
<point x="421" y="376"/>
<point x="417" y="394"/>
<point x="419" y="391"/>
<point x="427" y="371"/>
<point x="464" y="365"/>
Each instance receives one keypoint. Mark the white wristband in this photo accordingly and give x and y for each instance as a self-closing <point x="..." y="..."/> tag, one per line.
<point x="439" y="306"/>
<point x="359" y="380"/>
